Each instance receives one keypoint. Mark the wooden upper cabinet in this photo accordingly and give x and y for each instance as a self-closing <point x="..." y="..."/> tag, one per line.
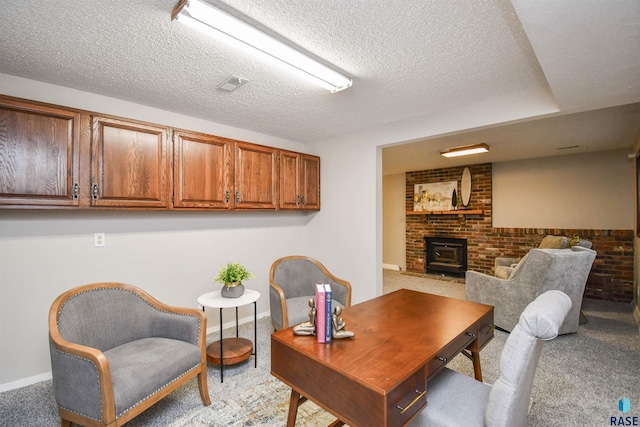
<point x="39" y="155"/>
<point x="203" y="171"/>
<point x="255" y="176"/>
<point x="310" y="182"/>
<point x="299" y="181"/>
<point x="129" y="164"/>
<point x="290" y="196"/>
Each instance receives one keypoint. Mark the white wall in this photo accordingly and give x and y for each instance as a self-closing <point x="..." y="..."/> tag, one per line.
<point x="172" y="255"/>
<point x="394" y="236"/>
<point x="581" y="191"/>
<point x="346" y="235"/>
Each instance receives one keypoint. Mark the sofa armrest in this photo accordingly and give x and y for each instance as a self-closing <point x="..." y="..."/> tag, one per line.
<point x="82" y="380"/>
<point x="510" y="297"/>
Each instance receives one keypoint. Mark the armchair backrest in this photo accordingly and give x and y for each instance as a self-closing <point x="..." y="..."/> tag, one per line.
<point x="297" y="276"/>
<point x="509" y="397"/>
<point x="106" y="315"/>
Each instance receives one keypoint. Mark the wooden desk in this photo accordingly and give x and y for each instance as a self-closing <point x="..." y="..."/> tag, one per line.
<point x="402" y="339"/>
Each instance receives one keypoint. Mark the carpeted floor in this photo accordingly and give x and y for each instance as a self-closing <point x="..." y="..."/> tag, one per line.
<point x="579" y="380"/>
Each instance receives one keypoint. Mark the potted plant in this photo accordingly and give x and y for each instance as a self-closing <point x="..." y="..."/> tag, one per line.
<point x="231" y="276"/>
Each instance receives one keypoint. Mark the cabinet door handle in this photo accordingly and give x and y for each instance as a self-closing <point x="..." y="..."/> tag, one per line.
<point x="442" y="359"/>
<point x="237" y="197"/>
<point x="298" y="199"/>
<point x="304" y="201"/>
<point x="471" y="334"/>
<point x="75" y="190"/>
<point x="413" y="402"/>
<point x="95" y="192"/>
<point x="227" y="196"/>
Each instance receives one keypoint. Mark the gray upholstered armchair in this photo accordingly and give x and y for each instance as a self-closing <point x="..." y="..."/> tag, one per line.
<point x="115" y="351"/>
<point x="459" y="400"/>
<point x="540" y="270"/>
<point x="292" y="281"/>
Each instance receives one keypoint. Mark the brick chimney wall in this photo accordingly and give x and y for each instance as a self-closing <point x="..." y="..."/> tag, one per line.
<point x="611" y="276"/>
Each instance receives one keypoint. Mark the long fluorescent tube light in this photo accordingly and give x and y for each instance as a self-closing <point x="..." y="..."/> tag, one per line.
<point x="466" y="150"/>
<point x="212" y="21"/>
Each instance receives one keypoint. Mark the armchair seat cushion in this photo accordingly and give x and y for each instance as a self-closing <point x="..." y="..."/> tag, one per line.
<point x="298" y="309"/>
<point x="142" y="367"/>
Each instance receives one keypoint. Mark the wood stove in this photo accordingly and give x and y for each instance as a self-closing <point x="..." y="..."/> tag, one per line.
<point x="446" y="255"/>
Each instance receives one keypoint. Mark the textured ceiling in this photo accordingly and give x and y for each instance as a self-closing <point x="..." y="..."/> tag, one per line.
<point x="408" y="58"/>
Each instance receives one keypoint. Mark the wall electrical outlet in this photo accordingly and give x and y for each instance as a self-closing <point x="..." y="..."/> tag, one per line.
<point x="99" y="240"/>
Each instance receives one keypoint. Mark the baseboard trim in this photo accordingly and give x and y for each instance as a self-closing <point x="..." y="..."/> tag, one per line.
<point x="25" y="382"/>
<point x="391" y="267"/>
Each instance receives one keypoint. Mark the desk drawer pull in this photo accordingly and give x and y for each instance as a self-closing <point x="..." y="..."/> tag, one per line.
<point x="442" y="359"/>
<point x="406" y="408"/>
<point x="471" y="334"/>
<point x="490" y="327"/>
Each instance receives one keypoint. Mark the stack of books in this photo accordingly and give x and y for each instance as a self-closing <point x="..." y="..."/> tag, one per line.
<point x="324" y="312"/>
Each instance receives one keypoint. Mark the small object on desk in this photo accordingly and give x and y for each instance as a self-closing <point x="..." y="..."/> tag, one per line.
<point x="308" y="328"/>
<point x="338" y="325"/>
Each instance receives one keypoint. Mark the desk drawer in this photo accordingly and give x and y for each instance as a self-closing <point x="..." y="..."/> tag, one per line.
<point x="451" y="350"/>
<point x="485" y="332"/>
<point x="407" y="399"/>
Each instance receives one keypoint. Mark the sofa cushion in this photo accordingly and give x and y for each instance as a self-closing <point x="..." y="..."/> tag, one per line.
<point x="503" y="271"/>
<point x="141" y="368"/>
<point x="554" y="242"/>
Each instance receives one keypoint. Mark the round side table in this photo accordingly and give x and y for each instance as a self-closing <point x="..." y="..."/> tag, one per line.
<point x="229" y="351"/>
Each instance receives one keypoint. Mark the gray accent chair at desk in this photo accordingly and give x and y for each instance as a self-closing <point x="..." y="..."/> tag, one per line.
<point x="455" y="399"/>
<point x="292" y="282"/>
<point x="115" y="351"/>
<point x="566" y="270"/>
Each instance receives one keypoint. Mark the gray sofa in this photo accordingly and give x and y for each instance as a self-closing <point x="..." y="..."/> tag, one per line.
<point x="540" y="270"/>
<point x="504" y="266"/>
<point x="115" y="351"/>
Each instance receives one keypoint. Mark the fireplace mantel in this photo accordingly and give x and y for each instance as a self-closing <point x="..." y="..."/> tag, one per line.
<point x="457" y="212"/>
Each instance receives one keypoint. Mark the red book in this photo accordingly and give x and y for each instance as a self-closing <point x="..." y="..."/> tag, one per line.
<point x="321" y="314"/>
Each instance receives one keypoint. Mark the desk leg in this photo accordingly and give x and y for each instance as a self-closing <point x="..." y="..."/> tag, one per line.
<point x="221" y="351"/>
<point x="293" y="408"/>
<point x="477" y="370"/>
<point x="255" y="333"/>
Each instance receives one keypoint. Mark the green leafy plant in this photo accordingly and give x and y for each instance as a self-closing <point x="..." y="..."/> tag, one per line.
<point x="232" y="274"/>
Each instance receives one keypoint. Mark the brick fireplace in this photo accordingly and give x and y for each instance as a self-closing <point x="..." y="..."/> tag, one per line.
<point x="612" y="272"/>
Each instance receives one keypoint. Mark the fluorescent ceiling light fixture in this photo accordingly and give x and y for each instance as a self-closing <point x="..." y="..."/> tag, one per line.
<point x="466" y="150"/>
<point x="206" y="18"/>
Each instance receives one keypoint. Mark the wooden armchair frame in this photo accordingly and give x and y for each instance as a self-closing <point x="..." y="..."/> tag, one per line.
<point x="98" y="358"/>
<point x="281" y="294"/>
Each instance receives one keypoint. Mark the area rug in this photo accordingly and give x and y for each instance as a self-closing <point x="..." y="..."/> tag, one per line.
<point x="264" y="405"/>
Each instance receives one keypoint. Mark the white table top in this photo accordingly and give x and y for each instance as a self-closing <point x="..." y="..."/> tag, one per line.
<point x="215" y="300"/>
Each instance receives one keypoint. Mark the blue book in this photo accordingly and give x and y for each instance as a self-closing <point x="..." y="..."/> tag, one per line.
<point x="329" y="310"/>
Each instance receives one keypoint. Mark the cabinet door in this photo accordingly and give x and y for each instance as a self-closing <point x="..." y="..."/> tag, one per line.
<point x="255" y="176"/>
<point x="130" y="164"/>
<point x="310" y="182"/>
<point x="39" y="155"/>
<point x="203" y="171"/>
<point x="290" y="196"/>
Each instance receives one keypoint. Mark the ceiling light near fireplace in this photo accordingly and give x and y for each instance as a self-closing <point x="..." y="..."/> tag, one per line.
<point x="205" y="18"/>
<point x="466" y="150"/>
